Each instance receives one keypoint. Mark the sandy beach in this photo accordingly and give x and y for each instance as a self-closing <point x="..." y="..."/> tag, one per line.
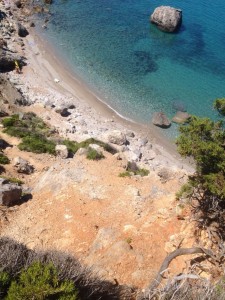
<point x="46" y="76"/>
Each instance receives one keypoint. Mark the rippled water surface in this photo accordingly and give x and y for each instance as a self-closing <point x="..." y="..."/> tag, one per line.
<point x="137" y="68"/>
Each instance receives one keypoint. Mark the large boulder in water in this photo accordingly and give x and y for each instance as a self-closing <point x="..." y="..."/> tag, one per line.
<point x="167" y="18"/>
<point x="161" y="120"/>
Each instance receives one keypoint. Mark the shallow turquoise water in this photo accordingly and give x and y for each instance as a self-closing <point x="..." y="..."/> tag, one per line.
<point x="137" y="68"/>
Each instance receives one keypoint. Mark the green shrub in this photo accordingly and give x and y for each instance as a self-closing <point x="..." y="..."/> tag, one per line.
<point x="142" y="172"/>
<point x="28" y="125"/>
<point x="10" y="121"/>
<point x="105" y="146"/>
<point x="125" y="174"/>
<point x="4" y="284"/>
<point x="92" y="154"/>
<point x="4" y="159"/>
<point x="37" y="144"/>
<point x="40" y="282"/>
<point x="13" y="180"/>
<point x="185" y="191"/>
<point x="71" y="146"/>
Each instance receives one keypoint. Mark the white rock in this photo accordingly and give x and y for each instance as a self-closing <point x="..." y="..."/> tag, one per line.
<point x="62" y="151"/>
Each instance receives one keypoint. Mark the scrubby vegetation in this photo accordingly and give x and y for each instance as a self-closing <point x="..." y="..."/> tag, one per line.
<point x="13" y="180"/>
<point x="4" y="160"/>
<point x="26" y="274"/>
<point x="38" y="282"/>
<point x="33" y="132"/>
<point x="93" y="154"/>
<point x="37" y="137"/>
<point x="133" y="169"/>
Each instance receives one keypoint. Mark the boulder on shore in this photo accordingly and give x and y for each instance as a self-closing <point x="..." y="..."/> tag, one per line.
<point x="167" y="18"/>
<point x="10" y="193"/>
<point x="116" y="137"/>
<point x="181" y="117"/>
<point x="160" y="119"/>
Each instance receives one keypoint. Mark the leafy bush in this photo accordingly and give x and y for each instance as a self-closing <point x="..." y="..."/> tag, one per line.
<point x="92" y="154"/>
<point x="219" y="104"/>
<point x="33" y="132"/>
<point x="37" y="144"/>
<point x="13" y="180"/>
<point x="4" y="284"/>
<point x="142" y="172"/>
<point x="133" y="169"/>
<point x="4" y="159"/>
<point x="185" y="191"/>
<point x="105" y="146"/>
<point x="40" y="282"/>
<point x="71" y="146"/>
<point x="125" y="174"/>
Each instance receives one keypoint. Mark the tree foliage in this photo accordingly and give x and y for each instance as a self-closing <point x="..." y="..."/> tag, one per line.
<point x="219" y="104"/>
<point x="204" y="140"/>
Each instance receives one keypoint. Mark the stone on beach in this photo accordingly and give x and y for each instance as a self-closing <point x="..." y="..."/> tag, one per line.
<point x="181" y="117"/>
<point x="160" y="119"/>
<point x="167" y="18"/>
<point x="116" y="137"/>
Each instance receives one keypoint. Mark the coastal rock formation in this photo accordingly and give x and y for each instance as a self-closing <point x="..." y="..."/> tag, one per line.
<point x="181" y="117"/>
<point x="116" y="137"/>
<point x="167" y="18"/>
<point x="22" y="165"/>
<point x="10" y="193"/>
<point x="161" y="120"/>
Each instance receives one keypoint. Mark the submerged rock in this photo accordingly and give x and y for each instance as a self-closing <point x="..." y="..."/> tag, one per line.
<point x="181" y="117"/>
<point x="167" y="18"/>
<point x="161" y="120"/>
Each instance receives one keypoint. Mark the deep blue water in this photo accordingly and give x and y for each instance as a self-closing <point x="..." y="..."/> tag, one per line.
<point x="137" y="68"/>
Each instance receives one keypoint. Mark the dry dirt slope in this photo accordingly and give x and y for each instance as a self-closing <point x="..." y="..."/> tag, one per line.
<point x="119" y="225"/>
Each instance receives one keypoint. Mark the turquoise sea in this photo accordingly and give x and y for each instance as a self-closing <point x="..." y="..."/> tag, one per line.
<point x="136" y="68"/>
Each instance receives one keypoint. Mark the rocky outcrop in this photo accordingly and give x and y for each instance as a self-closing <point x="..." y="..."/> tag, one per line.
<point x="7" y="61"/>
<point x="22" y="165"/>
<point x="116" y="137"/>
<point x="160" y="119"/>
<point x="10" y="94"/>
<point x="22" y="31"/>
<point x="167" y="18"/>
<point x="10" y="193"/>
<point x="181" y="117"/>
<point x="61" y="151"/>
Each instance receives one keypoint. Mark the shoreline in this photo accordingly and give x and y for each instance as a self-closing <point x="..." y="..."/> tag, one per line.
<point x="75" y="85"/>
<point x="47" y="82"/>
